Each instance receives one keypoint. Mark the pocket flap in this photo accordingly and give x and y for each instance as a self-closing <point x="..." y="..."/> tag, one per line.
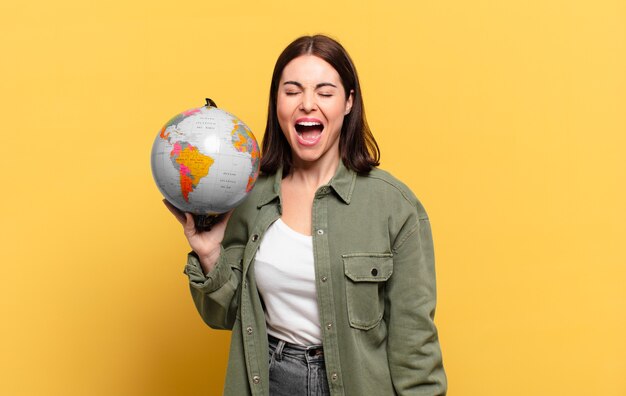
<point x="371" y="267"/>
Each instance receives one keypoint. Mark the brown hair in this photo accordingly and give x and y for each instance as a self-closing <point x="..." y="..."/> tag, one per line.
<point x="357" y="146"/>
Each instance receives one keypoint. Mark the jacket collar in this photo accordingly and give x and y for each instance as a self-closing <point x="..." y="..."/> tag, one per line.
<point x="342" y="183"/>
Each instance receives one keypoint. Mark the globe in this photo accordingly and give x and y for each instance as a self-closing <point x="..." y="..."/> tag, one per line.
<point x="205" y="161"/>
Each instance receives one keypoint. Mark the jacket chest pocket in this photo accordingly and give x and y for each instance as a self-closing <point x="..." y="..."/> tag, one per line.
<point x="366" y="274"/>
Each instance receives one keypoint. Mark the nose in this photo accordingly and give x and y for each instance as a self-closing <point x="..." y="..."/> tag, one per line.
<point x="308" y="102"/>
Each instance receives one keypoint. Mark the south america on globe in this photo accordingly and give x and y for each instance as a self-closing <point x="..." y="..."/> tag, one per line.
<point x="205" y="161"/>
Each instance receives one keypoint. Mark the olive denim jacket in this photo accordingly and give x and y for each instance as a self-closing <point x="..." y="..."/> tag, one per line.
<point x="375" y="279"/>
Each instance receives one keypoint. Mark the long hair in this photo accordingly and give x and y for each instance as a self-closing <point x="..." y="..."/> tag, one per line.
<point x="357" y="146"/>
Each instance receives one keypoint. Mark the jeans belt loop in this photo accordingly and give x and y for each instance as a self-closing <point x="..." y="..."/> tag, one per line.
<point x="278" y="354"/>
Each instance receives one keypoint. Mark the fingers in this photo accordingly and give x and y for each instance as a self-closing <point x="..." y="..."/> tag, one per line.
<point x="179" y="214"/>
<point x="227" y="215"/>
<point x="188" y="222"/>
<point x="189" y="225"/>
<point x="223" y="220"/>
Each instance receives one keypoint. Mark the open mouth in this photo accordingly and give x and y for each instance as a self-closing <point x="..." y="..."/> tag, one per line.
<point x="309" y="132"/>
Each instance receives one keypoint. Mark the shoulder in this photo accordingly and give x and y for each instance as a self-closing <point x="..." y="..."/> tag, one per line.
<point x="393" y="190"/>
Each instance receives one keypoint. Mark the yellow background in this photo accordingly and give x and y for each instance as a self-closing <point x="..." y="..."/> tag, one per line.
<point x="507" y="119"/>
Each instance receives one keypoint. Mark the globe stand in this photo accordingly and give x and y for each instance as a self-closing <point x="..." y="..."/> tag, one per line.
<point x="206" y="222"/>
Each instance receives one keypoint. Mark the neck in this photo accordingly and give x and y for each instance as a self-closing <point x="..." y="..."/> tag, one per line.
<point x="315" y="174"/>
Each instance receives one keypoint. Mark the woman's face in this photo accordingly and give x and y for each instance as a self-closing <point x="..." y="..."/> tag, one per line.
<point x="311" y="105"/>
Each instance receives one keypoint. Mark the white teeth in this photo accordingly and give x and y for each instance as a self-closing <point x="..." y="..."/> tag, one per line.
<point x="308" y="123"/>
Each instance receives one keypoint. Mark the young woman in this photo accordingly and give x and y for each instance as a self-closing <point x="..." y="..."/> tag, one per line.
<point x="325" y="274"/>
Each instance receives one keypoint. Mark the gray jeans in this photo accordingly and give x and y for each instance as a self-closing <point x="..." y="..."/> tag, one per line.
<point x="296" y="370"/>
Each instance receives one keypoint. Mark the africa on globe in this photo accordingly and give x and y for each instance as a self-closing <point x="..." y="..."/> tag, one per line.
<point x="205" y="161"/>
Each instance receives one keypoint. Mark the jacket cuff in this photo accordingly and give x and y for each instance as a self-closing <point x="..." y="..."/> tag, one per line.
<point x="212" y="281"/>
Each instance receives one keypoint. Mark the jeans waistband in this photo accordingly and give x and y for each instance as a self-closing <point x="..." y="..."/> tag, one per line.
<point x="311" y="351"/>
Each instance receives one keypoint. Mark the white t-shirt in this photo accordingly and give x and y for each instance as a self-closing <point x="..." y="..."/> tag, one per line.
<point x="285" y="276"/>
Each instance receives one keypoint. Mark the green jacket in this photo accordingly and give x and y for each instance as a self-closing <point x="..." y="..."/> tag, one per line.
<point x="375" y="279"/>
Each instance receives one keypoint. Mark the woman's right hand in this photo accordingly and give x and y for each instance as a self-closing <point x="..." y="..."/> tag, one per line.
<point x="206" y="244"/>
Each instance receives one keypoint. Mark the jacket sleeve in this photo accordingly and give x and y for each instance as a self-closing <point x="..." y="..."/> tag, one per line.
<point x="215" y="294"/>
<point x="414" y="354"/>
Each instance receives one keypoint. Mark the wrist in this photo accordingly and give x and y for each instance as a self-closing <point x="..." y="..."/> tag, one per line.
<point x="208" y="261"/>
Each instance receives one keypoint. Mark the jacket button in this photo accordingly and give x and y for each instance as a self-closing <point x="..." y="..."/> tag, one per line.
<point x="374" y="272"/>
<point x="324" y="279"/>
<point x="256" y="379"/>
<point x="249" y="330"/>
<point x="333" y="376"/>
<point x="329" y="326"/>
<point x="320" y="232"/>
<point x="255" y="237"/>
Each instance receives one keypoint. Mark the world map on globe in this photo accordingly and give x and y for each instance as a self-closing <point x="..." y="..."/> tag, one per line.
<point x="205" y="160"/>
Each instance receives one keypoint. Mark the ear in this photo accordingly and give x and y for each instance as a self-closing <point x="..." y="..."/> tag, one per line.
<point x="349" y="102"/>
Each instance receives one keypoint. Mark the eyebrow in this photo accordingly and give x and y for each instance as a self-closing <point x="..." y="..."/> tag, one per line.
<point x="320" y="85"/>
